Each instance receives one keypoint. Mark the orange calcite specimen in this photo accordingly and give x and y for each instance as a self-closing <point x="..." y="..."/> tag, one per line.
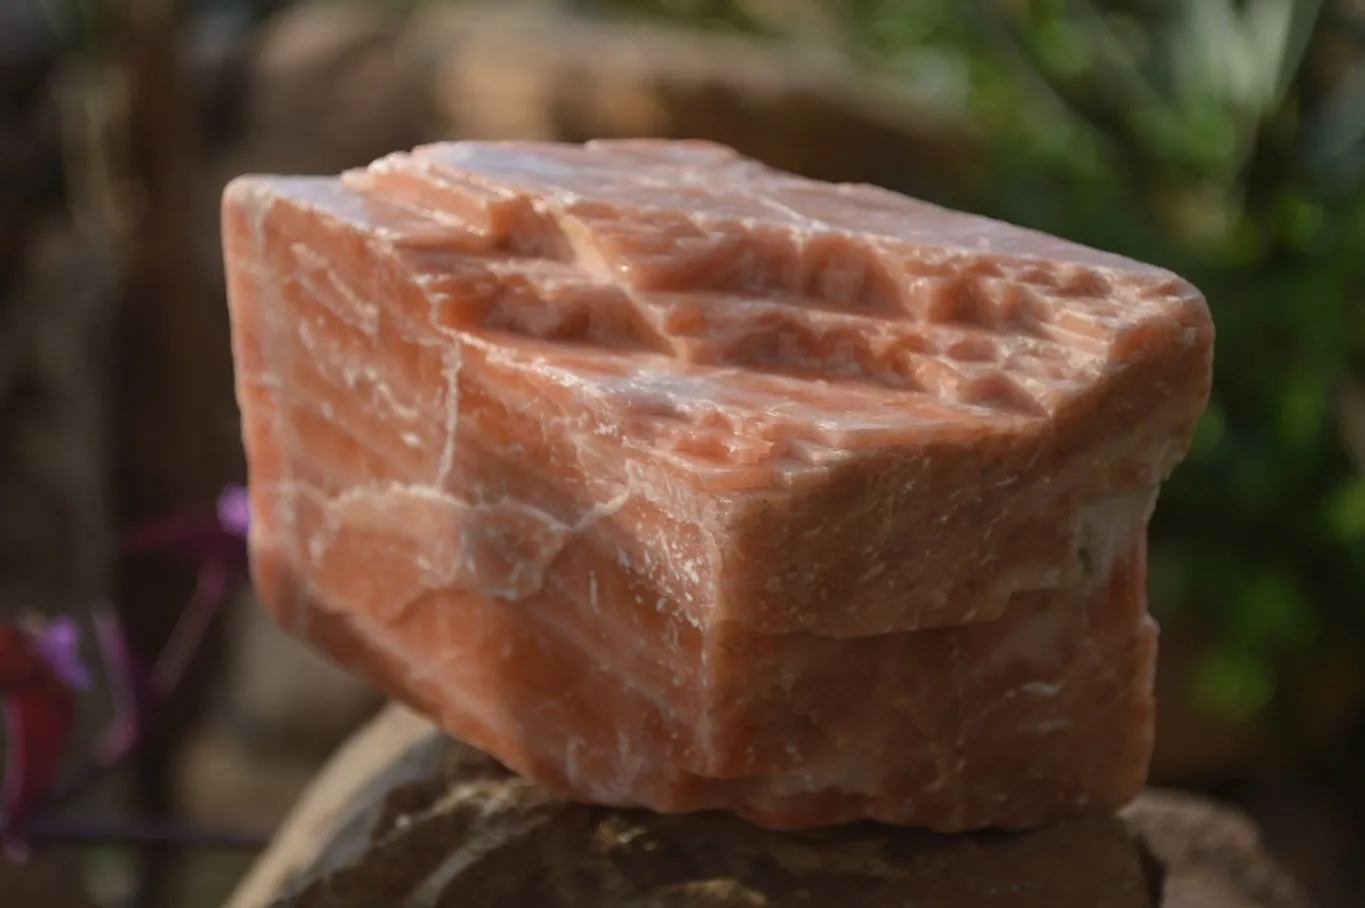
<point x="672" y="480"/>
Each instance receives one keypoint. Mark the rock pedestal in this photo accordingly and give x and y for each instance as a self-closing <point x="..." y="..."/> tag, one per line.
<point x="403" y="816"/>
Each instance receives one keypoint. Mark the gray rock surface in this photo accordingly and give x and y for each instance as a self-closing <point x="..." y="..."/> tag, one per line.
<point x="405" y="817"/>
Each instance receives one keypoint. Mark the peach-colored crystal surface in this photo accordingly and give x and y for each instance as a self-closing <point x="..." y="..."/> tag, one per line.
<point x="672" y="480"/>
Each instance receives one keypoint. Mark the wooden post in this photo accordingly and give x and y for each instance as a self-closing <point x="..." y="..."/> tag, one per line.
<point x="171" y="371"/>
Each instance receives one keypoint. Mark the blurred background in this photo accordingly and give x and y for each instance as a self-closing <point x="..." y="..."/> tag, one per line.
<point x="1224" y="139"/>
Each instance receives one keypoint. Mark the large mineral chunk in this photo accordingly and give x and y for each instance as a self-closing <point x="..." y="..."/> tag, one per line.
<point x="672" y="480"/>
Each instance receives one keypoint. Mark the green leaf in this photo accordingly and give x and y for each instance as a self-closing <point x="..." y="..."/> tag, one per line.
<point x="1273" y="614"/>
<point x="1209" y="431"/>
<point x="1302" y="409"/>
<point x="1301" y="221"/>
<point x="1283" y="29"/>
<point x="1233" y="684"/>
<point x="1062" y="47"/>
<point x="1346" y="510"/>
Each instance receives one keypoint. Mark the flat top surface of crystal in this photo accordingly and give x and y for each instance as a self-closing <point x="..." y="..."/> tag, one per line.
<point x="713" y="183"/>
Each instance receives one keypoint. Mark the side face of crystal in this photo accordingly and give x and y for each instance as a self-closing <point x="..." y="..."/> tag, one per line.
<point x="671" y="480"/>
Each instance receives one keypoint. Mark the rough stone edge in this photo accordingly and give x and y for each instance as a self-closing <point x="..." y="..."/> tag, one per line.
<point x="1193" y="848"/>
<point x="386" y="752"/>
<point x="1207" y="855"/>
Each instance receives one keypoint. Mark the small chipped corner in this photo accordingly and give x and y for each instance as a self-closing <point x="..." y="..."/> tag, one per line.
<point x="246" y="191"/>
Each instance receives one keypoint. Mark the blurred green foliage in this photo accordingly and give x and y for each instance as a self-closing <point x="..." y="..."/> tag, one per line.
<point x="1224" y="140"/>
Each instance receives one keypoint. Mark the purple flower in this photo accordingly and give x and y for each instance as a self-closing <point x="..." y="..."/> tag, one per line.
<point x="234" y="510"/>
<point x="38" y="667"/>
<point x="58" y="644"/>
